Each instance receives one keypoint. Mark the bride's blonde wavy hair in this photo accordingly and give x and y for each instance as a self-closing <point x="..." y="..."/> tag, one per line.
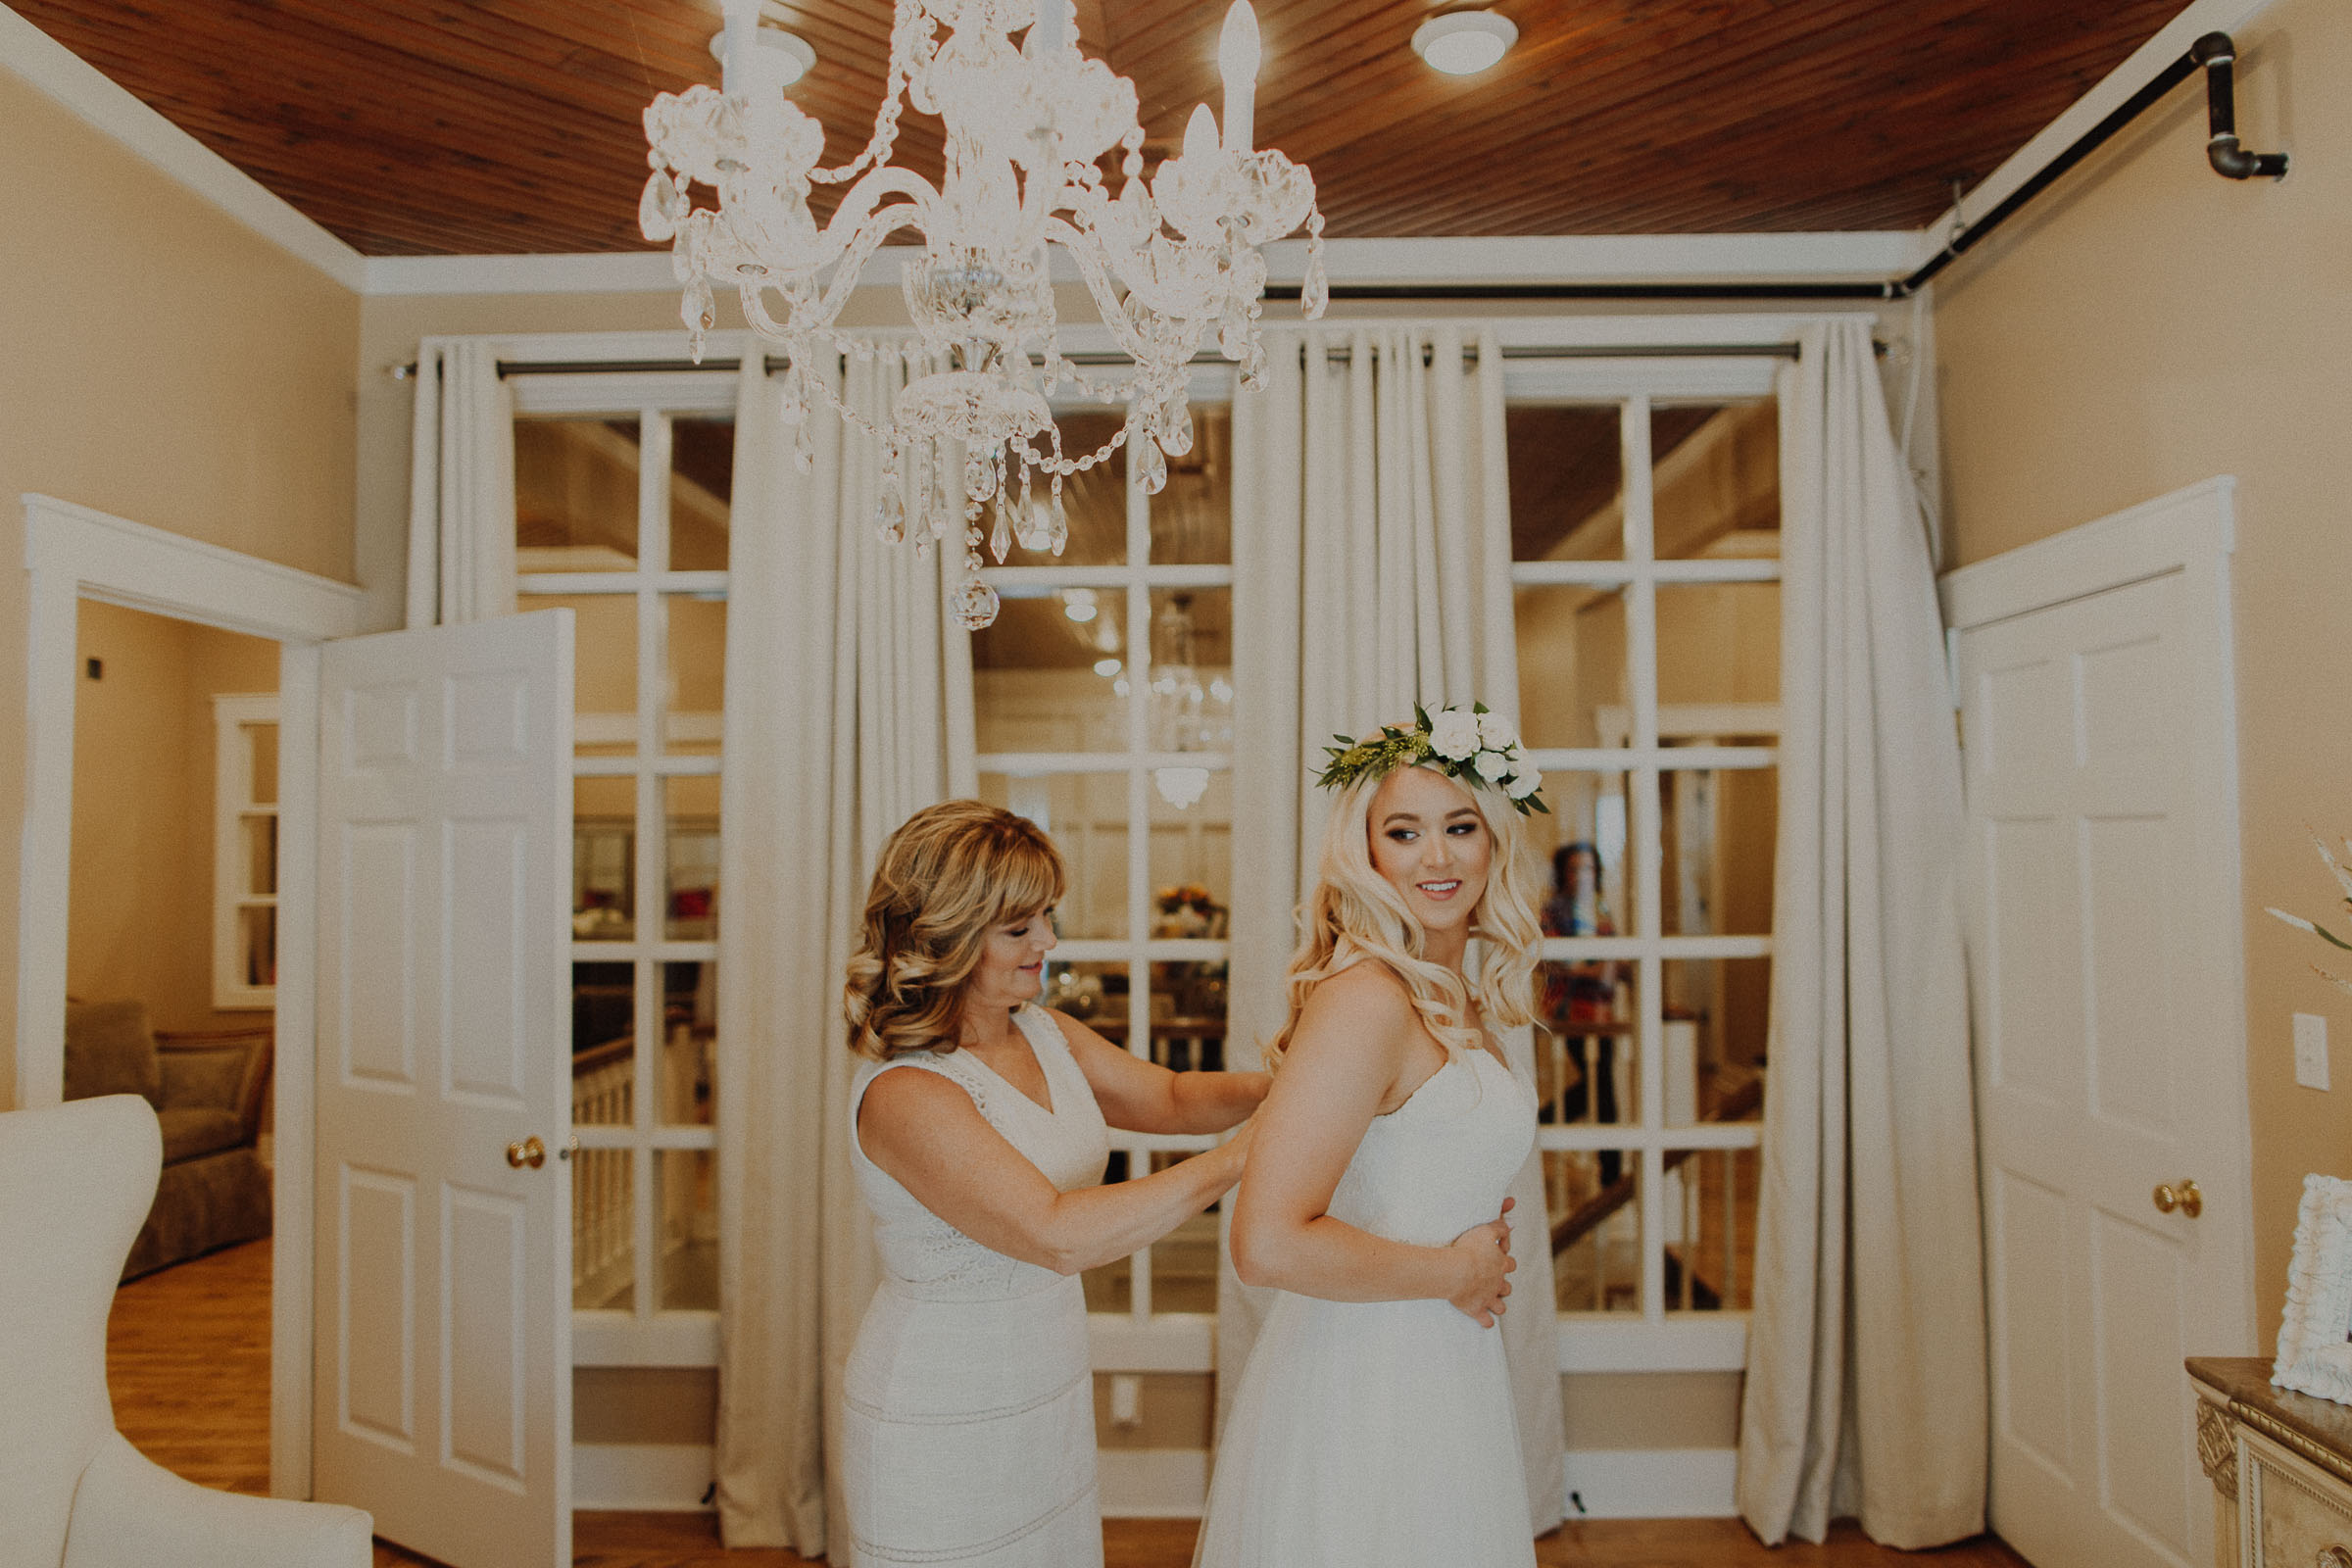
<point x="949" y="875"/>
<point x="1355" y="914"/>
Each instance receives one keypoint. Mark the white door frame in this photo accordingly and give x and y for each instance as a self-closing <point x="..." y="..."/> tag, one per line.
<point x="73" y="553"/>
<point x="2191" y="532"/>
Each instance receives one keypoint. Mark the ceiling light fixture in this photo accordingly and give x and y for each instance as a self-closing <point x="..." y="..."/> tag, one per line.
<point x="797" y="57"/>
<point x="1463" y="43"/>
<point x="1026" y="131"/>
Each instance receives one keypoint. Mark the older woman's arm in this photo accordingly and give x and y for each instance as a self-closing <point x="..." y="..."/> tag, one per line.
<point x="926" y="1133"/>
<point x="1356" y="1041"/>
<point x="1143" y="1097"/>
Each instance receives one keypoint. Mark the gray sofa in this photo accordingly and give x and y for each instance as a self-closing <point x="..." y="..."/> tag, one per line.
<point x="208" y="1090"/>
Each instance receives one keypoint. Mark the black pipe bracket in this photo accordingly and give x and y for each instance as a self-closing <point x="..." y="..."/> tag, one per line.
<point x="2218" y="55"/>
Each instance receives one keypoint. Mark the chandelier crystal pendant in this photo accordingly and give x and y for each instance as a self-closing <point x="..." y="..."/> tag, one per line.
<point x="1027" y="129"/>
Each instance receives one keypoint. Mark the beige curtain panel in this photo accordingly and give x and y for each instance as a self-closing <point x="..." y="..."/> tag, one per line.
<point x="1866" y="1389"/>
<point x="844" y="690"/>
<point x="1372" y="543"/>
<point x="461" y="486"/>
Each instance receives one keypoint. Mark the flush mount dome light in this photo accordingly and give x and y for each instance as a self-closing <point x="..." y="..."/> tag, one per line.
<point x="1463" y="43"/>
<point x="794" y="56"/>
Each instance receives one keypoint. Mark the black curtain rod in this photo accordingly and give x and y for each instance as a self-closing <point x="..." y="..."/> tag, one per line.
<point x="772" y="364"/>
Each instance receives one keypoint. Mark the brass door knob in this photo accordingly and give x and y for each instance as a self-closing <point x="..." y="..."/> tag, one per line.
<point x="2186" y="1197"/>
<point x="530" y="1152"/>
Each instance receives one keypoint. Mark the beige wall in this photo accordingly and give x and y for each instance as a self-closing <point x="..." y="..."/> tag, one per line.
<point x="140" y="921"/>
<point x="2154" y="326"/>
<point x="161" y="361"/>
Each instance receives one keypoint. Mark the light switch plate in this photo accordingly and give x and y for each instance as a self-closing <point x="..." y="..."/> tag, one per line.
<point x="2310" y="1050"/>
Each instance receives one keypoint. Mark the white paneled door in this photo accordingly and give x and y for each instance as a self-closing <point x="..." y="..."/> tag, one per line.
<point x="2108" y="1020"/>
<point x="443" y="1401"/>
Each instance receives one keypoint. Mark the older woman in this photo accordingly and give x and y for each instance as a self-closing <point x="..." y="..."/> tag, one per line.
<point x="979" y="1135"/>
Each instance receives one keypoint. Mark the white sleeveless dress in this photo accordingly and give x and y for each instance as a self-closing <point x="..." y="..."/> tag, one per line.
<point x="1381" y="1433"/>
<point x="969" y="1420"/>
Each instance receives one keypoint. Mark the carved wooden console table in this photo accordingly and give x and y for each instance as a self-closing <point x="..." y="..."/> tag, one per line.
<point x="2280" y="1465"/>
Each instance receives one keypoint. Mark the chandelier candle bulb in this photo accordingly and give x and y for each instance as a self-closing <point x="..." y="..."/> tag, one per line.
<point x="1054" y="27"/>
<point x="743" y="26"/>
<point x="1238" y="56"/>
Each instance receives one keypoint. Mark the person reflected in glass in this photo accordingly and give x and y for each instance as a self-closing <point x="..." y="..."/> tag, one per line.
<point x="1579" y="995"/>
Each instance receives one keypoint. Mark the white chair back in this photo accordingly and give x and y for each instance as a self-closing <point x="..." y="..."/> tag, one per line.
<point x="76" y="1183"/>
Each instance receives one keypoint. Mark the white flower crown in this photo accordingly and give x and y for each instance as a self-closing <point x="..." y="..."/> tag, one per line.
<point x="1464" y="743"/>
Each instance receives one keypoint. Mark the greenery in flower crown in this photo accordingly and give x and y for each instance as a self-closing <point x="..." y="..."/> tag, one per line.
<point x="1468" y="744"/>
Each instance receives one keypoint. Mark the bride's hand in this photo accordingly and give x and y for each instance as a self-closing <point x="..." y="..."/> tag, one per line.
<point x="1485" y="1251"/>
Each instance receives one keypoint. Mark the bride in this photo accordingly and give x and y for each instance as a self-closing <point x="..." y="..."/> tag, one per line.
<point x="1374" y="1424"/>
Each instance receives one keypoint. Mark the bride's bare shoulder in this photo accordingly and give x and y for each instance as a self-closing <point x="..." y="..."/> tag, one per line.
<point x="1365" y="997"/>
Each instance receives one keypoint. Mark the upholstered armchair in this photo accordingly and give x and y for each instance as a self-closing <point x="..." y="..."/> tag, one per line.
<point x="74" y="1184"/>
<point x="207" y="1090"/>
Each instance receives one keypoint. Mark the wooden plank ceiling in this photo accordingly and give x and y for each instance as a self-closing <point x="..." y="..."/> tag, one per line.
<point x="512" y="125"/>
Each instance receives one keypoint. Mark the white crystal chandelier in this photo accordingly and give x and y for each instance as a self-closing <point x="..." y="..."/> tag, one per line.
<point x="1026" y="131"/>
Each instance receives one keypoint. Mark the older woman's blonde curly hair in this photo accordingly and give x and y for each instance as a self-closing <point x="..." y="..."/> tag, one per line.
<point x="949" y="875"/>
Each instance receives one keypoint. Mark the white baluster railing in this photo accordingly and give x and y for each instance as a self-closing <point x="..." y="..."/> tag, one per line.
<point x="602" y="1094"/>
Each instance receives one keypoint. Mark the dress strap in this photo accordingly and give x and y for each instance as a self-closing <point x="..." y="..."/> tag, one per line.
<point x="1044" y="1035"/>
<point x="949" y="1067"/>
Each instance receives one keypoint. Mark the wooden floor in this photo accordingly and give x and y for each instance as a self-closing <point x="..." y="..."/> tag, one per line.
<point x="188" y="1360"/>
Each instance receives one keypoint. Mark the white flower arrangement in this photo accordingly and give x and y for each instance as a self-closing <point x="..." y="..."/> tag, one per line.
<point x="2313" y="1357"/>
<point x="1469" y="744"/>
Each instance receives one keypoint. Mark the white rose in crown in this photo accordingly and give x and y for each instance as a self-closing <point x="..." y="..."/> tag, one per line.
<point x="1494" y="733"/>
<point x="1453" y="734"/>
<point x="1524" y="781"/>
<point x="1491" y="765"/>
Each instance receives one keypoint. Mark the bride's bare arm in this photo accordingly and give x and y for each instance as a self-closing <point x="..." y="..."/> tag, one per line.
<point x="1353" y="1044"/>
<point x="928" y="1136"/>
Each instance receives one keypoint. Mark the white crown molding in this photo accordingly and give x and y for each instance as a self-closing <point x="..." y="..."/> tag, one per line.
<point x="1533" y="259"/>
<point x="84" y="90"/>
<point x="2113" y="89"/>
<point x="616" y="272"/>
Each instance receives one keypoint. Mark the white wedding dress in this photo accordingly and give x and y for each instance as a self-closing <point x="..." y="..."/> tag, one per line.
<point x="1381" y="1433"/>
<point x="968" y="1420"/>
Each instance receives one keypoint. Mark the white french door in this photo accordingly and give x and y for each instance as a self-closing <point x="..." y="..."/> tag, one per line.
<point x="2106" y="962"/>
<point x="443" y="1376"/>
